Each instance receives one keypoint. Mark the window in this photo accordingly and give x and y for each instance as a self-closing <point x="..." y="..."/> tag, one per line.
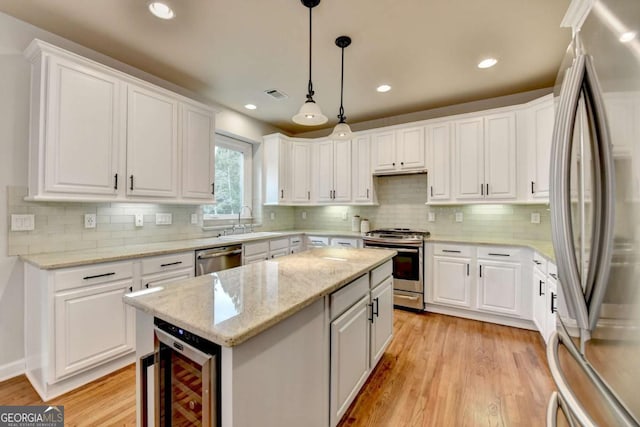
<point x="233" y="179"/>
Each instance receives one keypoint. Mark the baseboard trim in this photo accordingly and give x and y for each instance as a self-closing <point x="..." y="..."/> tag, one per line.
<point x="12" y="369"/>
<point x="483" y="317"/>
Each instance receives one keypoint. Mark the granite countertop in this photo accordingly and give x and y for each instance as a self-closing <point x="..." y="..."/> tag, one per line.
<point x="231" y="306"/>
<point x="54" y="260"/>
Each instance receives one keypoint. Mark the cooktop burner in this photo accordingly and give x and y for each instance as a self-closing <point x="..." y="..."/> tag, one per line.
<point x="397" y="234"/>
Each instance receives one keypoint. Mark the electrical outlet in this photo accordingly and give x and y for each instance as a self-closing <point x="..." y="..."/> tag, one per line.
<point x="535" y="218"/>
<point x="164" y="219"/>
<point x="139" y="220"/>
<point x="90" y="220"/>
<point x="304" y="214"/>
<point x="431" y="217"/>
<point x="458" y="216"/>
<point x="345" y="214"/>
<point x="194" y="219"/>
<point x="24" y="222"/>
<point x="272" y="215"/>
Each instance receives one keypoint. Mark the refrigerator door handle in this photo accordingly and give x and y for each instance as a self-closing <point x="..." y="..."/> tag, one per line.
<point x="600" y="262"/>
<point x="560" y="194"/>
<point x="573" y="406"/>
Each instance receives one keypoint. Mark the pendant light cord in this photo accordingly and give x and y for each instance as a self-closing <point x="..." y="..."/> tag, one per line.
<point x="310" y="92"/>
<point x="341" y="111"/>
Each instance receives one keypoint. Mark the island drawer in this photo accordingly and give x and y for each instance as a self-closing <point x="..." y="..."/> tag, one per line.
<point x="380" y="273"/>
<point x="348" y="295"/>
<point x="161" y="263"/>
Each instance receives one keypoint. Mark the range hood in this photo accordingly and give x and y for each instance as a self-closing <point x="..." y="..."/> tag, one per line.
<point x="401" y="172"/>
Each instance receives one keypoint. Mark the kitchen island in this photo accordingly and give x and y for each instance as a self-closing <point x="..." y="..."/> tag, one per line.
<point x="285" y="327"/>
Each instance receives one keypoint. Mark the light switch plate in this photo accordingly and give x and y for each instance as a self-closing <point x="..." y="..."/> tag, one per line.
<point x="459" y="216"/>
<point x="22" y="222"/>
<point x="345" y="214"/>
<point x="194" y="219"/>
<point x="535" y="218"/>
<point x="139" y="220"/>
<point x="90" y="220"/>
<point x="304" y="214"/>
<point x="431" y="217"/>
<point x="164" y="219"/>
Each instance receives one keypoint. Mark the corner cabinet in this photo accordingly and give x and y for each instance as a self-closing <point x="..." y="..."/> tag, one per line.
<point x="97" y="134"/>
<point x="540" y="118"/>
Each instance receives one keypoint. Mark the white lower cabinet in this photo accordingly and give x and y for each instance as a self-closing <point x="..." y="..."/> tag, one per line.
<point x="361" y="330"/>
<point x="160" y="270"/>
<point x="92" y="325"/>
<point x="452" y="281"/>
<point x="550" y="308"/>
<point x="499" y="287"/>
<point x="269" y="249"/>
<point x="539" y="283"/>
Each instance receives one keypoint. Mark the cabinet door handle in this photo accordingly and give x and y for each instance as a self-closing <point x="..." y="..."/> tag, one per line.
<point x="371" y="318"/>
<point x="376" y="312"/>
<point x="393" y="164"/>
<point x="308" y="195"/>
<point x="130" y="288"/>
<point x="532" y="190"/>
<point x="487" y="189"/>
<point x="98" y="275"/>
<point x="282" y="194"/>
<point x="480" y="270"/>
<point x="401" y="163"/>
<point x="482" y="189"/>
<point x="540" y="293"/>
<point x="171" y="263"/>
<point x="146" y="286"/>
<point x="467" y="269"/>
<point x="115" y="181"/>
<point x="367" y="193"/>
<point x="450" y="251"/>
<point x="553" y="302"/>
<point x="131" y="179"/>
<point x="213" y="188"/>
<point x="432" y="191"/>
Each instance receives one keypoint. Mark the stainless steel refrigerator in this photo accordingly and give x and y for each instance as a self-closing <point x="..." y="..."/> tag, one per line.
<point x="594" y="355"/>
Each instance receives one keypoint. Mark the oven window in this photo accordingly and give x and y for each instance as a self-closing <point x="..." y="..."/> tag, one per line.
<point x="406" y="266"/>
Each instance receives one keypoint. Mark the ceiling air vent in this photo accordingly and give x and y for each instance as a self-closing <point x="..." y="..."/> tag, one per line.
<point x="276" y="94"/>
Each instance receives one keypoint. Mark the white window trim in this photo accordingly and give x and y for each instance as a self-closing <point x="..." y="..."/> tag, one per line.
<point x="247" y="151"/>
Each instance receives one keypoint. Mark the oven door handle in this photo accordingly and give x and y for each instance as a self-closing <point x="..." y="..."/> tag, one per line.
<point x="406" y="297"/>
<point x="183" y="348"/>
<point x="393" y="248"/>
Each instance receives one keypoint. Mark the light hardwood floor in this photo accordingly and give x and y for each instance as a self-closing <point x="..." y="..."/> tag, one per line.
<point x="438" y="371"/>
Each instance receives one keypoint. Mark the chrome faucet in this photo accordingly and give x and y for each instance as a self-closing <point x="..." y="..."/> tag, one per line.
<point x="239" y="218"/>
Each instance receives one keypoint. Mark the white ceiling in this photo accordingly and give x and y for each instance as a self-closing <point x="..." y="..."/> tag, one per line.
<point x="230" y="51"/>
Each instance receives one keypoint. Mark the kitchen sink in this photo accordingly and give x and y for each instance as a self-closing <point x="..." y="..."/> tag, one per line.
<point x="249" y="236"/>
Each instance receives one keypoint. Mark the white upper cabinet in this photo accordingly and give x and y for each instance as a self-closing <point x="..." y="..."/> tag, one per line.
<point x="333" y="171"/>
<point x="439" y="161"/>
<point x="152" y="143"/>
<point x="540" y="117"/>
<point x="75" y="128"/>
<point x="486" y="157"/>
<point x="362" y="177"/>
<point x="277" y="169"/>
<point x="300" y="172"/>
<point x="198" y="153"/>
<point x="399" y="150"/>
<point x="97" y="134"/>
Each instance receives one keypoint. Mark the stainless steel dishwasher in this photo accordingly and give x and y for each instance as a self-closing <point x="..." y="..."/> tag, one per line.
<point x="217" y="259"/>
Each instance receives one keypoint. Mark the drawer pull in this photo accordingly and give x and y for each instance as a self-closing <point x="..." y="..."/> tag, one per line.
<point x="451" y="251"/>
<point x="536" y="262"/>
<point x="553" y="275"/>
<point x="98" y="275"/>
<point x="344" y="243"/>
<point x="171" y="263"/>
<point x="494" y="254"/>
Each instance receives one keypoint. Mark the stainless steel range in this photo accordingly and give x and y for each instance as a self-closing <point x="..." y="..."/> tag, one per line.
<point x="408" y="280"/>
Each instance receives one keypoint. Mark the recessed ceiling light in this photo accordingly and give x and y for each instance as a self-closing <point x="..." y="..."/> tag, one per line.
<point x="628" y="36"/>
<point x="250" y="107"/>
<point x="161" y="10"/>
<point x="383" y="88"/>
<point x="487" y="63"/>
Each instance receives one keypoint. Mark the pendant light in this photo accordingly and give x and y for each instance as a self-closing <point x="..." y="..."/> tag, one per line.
<point x="310" y="113"/>
<point x="342" y="129"/>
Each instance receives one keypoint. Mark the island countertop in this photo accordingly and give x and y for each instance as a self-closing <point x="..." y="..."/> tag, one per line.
<point x="231" y="306"/>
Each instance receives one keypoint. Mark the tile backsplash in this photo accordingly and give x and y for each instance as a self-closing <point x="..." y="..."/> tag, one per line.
<point x="402" y="204"/>
<point x="59" y="226"/>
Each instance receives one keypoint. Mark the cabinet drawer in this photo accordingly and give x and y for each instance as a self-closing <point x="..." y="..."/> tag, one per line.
<point x="157" y="264"/>
<point x="348" y="295"/>
<point x="540" y="262"/>
<point x="255" y="248"/>
<point x="344" y="242"/>
<point x="278" y="244"/>
<point x="164" y="277"/>
<point x="380" y="273"/>
<point x="314" y="241"/>
<point x="76" y="277"/>
<point x="295" y="241"/>
<point x="453" y="250"/>
<point x="499" y="253"/>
